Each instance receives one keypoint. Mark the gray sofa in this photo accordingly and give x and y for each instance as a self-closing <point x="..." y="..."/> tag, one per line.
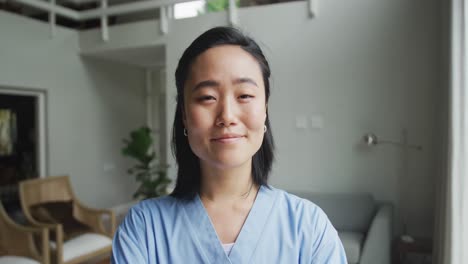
<point x="364" y="226"/>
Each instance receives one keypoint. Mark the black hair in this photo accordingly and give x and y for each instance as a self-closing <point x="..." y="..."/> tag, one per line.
<point x="188" y="172"/>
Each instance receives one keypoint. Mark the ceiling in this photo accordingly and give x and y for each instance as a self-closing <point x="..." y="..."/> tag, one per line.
<point x="93" y="1"/>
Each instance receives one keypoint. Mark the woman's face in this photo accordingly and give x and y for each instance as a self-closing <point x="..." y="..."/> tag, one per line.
<point x="225" y="107"/>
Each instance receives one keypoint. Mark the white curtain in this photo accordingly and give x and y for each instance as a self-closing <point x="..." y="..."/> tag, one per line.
<point x="452" y="223"/>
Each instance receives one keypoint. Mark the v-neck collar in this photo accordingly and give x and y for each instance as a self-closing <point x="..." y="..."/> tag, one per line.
<point x="209" y="243"/>
<point x="252" y="230"/>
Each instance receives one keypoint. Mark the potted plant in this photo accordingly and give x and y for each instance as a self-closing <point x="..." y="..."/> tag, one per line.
<point x="151" y="176"/>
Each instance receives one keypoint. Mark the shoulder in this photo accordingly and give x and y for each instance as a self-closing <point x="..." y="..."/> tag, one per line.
<point x="152" y="204"/>
<point x="298" y="206"/>
<point x="150" y="211"/>
<point x="319" y="239"/>
<point x="308" y="219"/>
<point x="137" y="232"/>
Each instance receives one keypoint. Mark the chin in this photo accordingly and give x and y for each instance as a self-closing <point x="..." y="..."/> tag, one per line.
<point x="231" y="163"/>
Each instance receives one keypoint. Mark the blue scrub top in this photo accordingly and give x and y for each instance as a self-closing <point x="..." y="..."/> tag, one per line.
<point x="280" y="228"/>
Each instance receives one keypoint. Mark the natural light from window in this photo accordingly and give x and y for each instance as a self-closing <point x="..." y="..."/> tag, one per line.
<point x="188" y="9"/>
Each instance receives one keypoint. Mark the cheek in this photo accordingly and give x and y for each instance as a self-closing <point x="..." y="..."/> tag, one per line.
<point x="197" y="126"/>
<point x="197" y="119"/>
<point x="255" y="118"/>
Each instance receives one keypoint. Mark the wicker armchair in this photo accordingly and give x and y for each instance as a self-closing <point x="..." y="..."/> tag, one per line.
<point x="21" y="244"/>
<point x="78" y="233"/>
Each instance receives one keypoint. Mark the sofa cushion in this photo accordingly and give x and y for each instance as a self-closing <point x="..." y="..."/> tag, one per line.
<point x="83" y="244"/>
<point x="17" y="260"/>
<point x="352" y="243"/>
<point x="347" y="212"/>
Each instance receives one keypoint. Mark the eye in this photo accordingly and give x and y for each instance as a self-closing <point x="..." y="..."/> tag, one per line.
<point x="246" y="96"/>
<point x="205" y="98"/>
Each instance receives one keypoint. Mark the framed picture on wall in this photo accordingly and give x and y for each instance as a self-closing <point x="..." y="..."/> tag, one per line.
<point x="7" y="132"/>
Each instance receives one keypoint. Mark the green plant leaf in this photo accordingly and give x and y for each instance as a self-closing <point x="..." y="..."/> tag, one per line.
<point x="151" y="176"/>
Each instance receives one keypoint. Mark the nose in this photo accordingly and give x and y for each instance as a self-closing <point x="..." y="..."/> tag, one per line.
<point x="226" y="113"/>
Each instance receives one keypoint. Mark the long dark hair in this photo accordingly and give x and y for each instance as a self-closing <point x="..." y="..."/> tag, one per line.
<point x="188" y="173"/>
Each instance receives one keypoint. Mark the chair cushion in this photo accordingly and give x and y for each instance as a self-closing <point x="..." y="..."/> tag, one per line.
<point x="60" y="213"/>
<point x="83" y="244"/>
<point x="17" y="260"/>
<point x="352" y="243"/>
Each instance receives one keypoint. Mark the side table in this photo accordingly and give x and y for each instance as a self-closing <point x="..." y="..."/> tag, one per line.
<point x="402" y="249"/>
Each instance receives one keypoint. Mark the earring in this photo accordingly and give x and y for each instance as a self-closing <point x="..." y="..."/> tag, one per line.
<point x="185" y="132"/>
<point x="264" y="129"/>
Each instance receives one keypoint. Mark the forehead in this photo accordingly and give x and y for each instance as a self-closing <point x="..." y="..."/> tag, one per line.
<point x="224" y="61"/>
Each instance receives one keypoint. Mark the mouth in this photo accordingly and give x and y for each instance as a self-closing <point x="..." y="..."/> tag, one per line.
<point x="227" y="138"/>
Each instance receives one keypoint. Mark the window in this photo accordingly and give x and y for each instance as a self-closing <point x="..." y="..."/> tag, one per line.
<point x="189" y="9"/>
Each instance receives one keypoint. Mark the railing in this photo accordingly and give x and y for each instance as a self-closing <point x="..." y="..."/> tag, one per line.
<point x="105" y="10"/>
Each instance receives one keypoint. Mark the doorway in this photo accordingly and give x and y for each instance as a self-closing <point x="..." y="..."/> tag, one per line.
<point x="22" y="141"/>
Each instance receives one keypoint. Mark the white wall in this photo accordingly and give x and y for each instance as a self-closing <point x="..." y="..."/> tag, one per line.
<point x="362" y="65"/>
<point x="92" y="105"/>
<point x="159" y="108"/>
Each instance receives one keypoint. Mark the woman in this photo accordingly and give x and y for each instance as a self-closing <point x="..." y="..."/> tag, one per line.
<point x="222" y="210"/>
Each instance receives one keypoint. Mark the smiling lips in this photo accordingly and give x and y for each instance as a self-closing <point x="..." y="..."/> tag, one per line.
<point x="227" y="138"/>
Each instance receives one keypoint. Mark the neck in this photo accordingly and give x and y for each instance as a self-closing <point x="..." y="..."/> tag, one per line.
<point x="219" y="184"/>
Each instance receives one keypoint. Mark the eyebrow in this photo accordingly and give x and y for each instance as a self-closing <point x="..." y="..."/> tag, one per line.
<point x="211" y="83"/>
<point x="207" y="83"/>
<point x="245" y="80"/>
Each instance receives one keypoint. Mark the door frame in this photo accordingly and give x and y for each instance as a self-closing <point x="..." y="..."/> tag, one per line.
<point x="41" y="119"/>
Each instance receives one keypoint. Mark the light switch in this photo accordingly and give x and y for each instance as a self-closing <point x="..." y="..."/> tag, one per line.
<point x="317" y="122"/>
<point x="108" y="167"/>
<point x="301" y="122"/>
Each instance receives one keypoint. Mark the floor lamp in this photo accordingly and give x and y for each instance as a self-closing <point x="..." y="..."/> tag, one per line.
<point x="371" y="139"/>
